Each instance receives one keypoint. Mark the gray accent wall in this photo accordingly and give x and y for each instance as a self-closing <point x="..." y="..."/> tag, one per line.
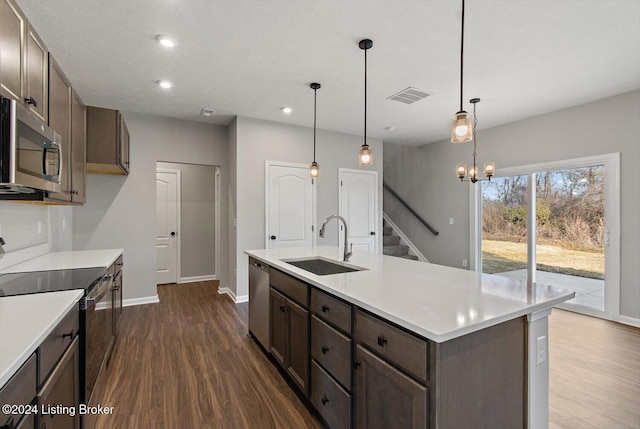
<point x="256" y="141"/>
<point x="197" y="218"/>
<point x="121" y="210"/>
<point x="425" y="176"/>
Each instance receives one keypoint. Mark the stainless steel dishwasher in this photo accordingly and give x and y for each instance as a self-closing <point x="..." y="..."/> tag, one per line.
<point x="259" y="302"/>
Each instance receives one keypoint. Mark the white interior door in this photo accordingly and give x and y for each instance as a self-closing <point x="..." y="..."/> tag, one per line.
<point x="358" y="204"/>
<point x="290" y="202"/>
<point x="167" y="221"/>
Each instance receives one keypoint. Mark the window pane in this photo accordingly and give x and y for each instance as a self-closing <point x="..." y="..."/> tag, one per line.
<point x="504" y="226"/>
<point x="570" y="232"/>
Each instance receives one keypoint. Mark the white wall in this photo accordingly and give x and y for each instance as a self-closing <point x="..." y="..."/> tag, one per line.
<point x="26" y="226"/>
<point x="425" y="176"/>
<point x="257" y="141"/>
<point x="121" y="210"/>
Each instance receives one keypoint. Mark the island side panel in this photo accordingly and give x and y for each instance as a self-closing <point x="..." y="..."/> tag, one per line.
<point x="480" y="379"/>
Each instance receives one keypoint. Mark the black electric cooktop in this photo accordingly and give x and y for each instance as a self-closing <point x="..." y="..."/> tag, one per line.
<point x="50" y="281"/>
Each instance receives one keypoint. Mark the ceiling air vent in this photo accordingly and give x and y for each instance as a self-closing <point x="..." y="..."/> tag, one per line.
<point x="409" y="95"/>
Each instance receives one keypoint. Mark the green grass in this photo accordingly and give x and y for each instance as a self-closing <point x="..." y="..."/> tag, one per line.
<point x="501" y="256"/>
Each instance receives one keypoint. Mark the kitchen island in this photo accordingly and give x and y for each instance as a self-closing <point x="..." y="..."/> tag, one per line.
<point x="484" y="338"/>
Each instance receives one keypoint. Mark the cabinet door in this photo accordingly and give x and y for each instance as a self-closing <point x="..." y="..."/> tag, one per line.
<point x="385" y="397"/>
<point x="60" y="122"/>
<point x="12" y="31"/>
<point x="123" y="159"/>
<point x="78" y="149"/>
<point x="278" y="321"/>
<point x="36" y="72"/>
<point x="62" y="388"/>
<point x="298" y="345"/>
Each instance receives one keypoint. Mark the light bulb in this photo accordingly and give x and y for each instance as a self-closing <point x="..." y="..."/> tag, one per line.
<point x="166" y="41"/>
<point x="366" y="157"/>
<point x="314" y="170"/>
<point x="165" y="84"/>
<point x="461" y="130"/>
<point x="461" y="170"/>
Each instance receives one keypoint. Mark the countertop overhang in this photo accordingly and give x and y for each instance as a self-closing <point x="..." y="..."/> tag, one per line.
<point x="437" y="302"/>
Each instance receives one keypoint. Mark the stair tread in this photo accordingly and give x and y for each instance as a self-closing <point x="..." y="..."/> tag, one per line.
<point x="390" y="240"/>
<point x="412" y="257"/>
<point x="396" y="250"/>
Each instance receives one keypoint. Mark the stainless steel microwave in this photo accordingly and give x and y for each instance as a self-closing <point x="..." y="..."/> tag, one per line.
<point x="30" y="154"/>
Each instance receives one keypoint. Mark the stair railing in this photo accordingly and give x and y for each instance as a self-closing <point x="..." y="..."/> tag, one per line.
<point x="411" y="210"/>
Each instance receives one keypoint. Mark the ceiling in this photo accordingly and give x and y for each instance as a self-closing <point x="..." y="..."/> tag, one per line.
<point x="249" y="58"/>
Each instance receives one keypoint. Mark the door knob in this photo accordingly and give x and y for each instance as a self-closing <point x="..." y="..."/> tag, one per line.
<point x="273" y="237"/>
<point x="173" y="233"/>
<point x="373" y="233"/>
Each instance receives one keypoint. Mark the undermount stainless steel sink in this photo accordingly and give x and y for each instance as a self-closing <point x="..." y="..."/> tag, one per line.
<point x="322" y="267"/>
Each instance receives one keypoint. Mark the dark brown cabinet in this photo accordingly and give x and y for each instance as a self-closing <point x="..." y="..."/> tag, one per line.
<point x="36" y="82"/>
<point x="67" y="117"/>
<point x="385" y="397"/>
<point x="107" y="142"/>
<point x="62" y="389"/>
<point x="290" y="338"/>
<point x="23" y="61"/>
<point x="12" y="47"/>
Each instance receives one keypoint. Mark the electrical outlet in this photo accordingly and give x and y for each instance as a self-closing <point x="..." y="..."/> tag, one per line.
<point x="450" y="221"/>
<point x="39" y="227"/>
<point x="464" y="262"/>
<point x="541" y="350"/>
<point x="64" y="224"/>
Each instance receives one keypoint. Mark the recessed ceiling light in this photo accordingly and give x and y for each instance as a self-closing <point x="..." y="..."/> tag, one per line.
<point x="286" y="109"/>
<point x="166" y="41"/>
<point x="165" y="84"/>
<point x="207" y="112"/>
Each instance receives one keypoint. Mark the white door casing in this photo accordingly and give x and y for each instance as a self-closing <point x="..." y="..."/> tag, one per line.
<point x="289" y="205"/>
<point x="358" y="204"/>
<point x="167" y="222"/>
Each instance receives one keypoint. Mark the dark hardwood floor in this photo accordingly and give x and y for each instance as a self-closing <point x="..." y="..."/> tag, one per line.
<point x="188" y="363"/>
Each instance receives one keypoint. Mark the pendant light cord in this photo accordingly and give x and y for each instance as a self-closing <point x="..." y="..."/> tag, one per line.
<point x="475" y="143"/>
<point x="365" y="97"/>
<point x="315" y="105"/>
<point x="461" y="54"/>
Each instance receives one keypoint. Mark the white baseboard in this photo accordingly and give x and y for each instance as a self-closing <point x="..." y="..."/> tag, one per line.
<point x="631" y="321"/>
<point x="234" y="298"/>
<point x="140" y="301"/>
<point x="132" y="301"/>
<point x="197" y="279"/>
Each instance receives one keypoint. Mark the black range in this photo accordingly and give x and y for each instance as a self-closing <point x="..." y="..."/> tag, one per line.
<point x="50" y="281"/>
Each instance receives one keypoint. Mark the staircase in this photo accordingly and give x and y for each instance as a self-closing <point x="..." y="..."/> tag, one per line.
<point x="392" y="245"/>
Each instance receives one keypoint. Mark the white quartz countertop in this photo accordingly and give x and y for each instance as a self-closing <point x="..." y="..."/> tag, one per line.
<point x="438" y="302"/>
<point x="67" y="260"/>
<point x="25" y="321"/>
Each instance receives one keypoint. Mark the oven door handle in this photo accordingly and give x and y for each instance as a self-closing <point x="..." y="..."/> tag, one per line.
<point x="90" y="301"/>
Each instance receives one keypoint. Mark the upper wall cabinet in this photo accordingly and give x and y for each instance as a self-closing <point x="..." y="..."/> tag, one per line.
<point x="67" y="116"/>
<point x="23" y="60"/>
<point x="107" y="142"/>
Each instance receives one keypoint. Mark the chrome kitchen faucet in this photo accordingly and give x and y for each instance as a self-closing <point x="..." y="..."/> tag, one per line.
<point x="347" y="248"/>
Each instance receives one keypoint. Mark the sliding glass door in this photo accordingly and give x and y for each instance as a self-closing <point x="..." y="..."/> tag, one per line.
<point x="573" y="242"/>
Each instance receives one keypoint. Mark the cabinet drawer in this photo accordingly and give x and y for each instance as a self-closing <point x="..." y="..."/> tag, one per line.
<point x="57" y="342"/>
<point x="332" y="350"/>
<point x="290" y="286"/>
<point x="331" y="309"/>
<point x="20" y="389"/>
<point x="331" y="401"/>
<point x="405" y="350"/>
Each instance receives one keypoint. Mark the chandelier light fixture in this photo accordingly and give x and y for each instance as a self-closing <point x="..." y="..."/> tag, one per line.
<point x="314" y="168"/>
<point x="471" y="173"/>
<point x="366" y="157"/>
<point x="461" y="126"/>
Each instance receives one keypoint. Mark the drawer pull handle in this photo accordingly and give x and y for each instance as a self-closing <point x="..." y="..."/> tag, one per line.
<point x="325" y="350"/>
<point x="324" y="399"/>
<point x="284" y="308"/>
<point x="31" y="101"/>
<point x="382" y="341"/>
<point x="70" y="335"/>
<point x="325" y="309"/>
